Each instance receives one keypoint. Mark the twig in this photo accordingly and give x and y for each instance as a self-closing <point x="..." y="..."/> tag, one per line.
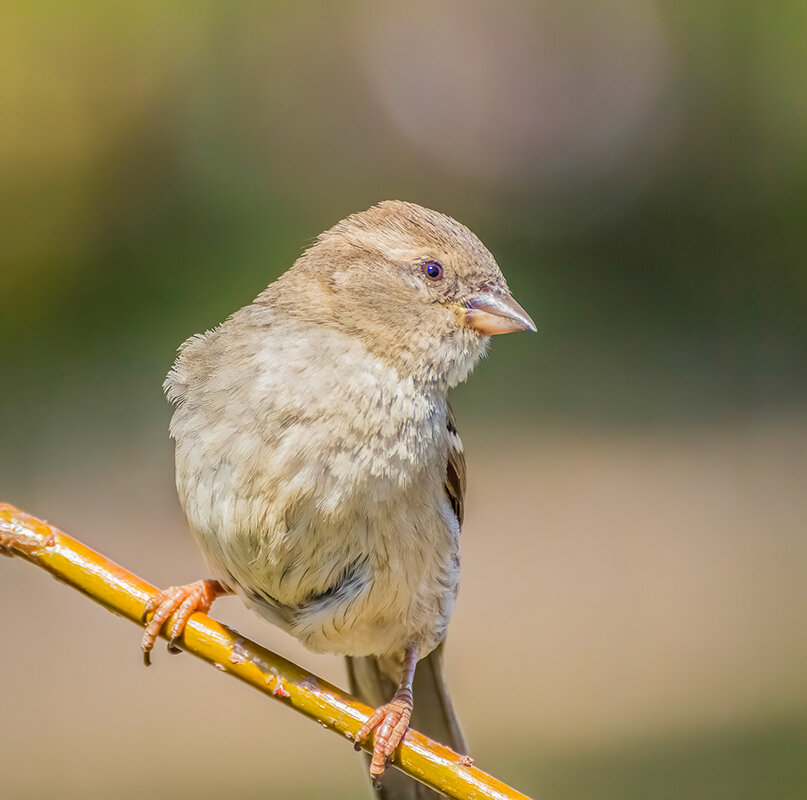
<point x="124" y="593"/>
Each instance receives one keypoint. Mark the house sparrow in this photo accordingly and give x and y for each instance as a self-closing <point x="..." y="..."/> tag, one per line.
<point x="318" y="462"/>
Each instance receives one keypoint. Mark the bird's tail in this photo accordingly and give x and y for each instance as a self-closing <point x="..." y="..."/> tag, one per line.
<point x="433" y="713"/>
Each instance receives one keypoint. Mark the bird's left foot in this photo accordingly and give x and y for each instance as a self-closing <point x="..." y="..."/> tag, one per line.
<point x="390" y="723"/>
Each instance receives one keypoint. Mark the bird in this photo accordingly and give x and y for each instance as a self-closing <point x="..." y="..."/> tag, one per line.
<point x="318" y="461"/>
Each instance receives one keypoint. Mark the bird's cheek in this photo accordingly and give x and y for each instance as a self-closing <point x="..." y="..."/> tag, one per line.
<point x="459" y="314"/>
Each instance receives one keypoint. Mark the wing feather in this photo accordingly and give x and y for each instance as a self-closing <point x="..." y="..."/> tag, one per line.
<point x="455" y="469"/>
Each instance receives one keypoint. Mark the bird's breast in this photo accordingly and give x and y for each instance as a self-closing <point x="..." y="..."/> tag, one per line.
<point x="317" y="484"/>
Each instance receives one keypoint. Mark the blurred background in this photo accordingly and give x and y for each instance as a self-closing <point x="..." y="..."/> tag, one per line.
<point x="631" y="616"/>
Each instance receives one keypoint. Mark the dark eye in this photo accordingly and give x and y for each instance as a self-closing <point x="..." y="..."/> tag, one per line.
<point x="433" y="270"/>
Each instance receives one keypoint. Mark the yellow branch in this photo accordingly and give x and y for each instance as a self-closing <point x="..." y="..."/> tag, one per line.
<point x="124" y="593"/>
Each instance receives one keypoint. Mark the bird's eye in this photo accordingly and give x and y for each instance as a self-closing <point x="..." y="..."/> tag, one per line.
<point x="433" y="270"/>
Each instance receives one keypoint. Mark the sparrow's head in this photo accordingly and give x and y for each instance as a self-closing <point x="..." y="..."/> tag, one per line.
<point x="416" y="286"/>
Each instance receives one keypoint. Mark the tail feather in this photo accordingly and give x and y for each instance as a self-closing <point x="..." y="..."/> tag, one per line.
<point x="433" y="713"/>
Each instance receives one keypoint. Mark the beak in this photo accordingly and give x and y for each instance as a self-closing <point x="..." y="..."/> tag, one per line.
<point x="489" y="314"/>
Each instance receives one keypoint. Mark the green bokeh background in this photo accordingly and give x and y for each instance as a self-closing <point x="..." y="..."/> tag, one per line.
<point x="638" y="168"/>
<point x="161" y="164"/>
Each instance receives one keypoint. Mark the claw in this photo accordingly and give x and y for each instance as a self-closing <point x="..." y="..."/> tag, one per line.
<point x="181" y="602"/>
<point x="390" y="723"/>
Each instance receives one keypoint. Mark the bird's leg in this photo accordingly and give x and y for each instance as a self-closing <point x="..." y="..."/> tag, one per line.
<point x="182" y="602"/>
<point x="391" y="720"/>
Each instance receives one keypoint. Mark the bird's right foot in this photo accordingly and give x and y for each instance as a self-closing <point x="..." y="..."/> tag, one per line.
<point x="182" y="602"/>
